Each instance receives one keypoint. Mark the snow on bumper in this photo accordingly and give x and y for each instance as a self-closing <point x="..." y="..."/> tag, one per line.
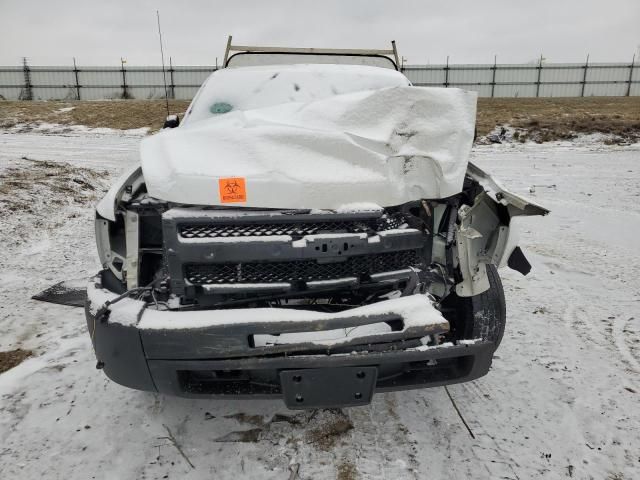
<point x="242" y="352"/>
<point x="264" y="331"/>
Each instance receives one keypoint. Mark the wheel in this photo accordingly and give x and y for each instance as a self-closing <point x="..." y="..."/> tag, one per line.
<point x="482" y="316"/>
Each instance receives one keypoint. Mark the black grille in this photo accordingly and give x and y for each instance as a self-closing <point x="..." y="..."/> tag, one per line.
<point x="302" y="270"/>
<point x="293" y="229"/>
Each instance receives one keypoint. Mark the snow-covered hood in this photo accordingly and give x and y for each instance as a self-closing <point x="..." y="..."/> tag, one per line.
<point x="386" y="146"/>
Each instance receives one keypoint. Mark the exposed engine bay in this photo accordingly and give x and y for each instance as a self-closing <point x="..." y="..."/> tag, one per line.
<point x="187" y="257"/>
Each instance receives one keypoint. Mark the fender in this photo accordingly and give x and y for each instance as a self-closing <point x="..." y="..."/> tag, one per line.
<point x="132" y="177"/>
<point x="485" y="234"/>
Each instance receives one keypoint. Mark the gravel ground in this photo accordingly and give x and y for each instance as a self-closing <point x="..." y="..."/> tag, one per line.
<point x="561" y="400"/>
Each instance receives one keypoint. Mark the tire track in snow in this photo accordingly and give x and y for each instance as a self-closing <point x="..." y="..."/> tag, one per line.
<point x="578" y="321"/>
<point x="619" y="326"/>
<point x="382" y="441"/>
<point x="582" y="324"/>
<point x="470" y="396"/>
<point x="568" y="315"/>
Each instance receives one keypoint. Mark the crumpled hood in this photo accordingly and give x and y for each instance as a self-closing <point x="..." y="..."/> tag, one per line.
<point x="386" y="146"/>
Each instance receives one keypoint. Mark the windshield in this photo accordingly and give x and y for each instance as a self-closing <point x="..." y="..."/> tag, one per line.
<point x="247" y="88"/>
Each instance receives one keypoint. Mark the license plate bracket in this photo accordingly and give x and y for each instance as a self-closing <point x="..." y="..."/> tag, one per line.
<point x="328" y="387"/>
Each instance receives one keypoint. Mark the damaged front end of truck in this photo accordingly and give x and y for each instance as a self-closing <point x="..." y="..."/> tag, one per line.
<point x="319" y="287"/>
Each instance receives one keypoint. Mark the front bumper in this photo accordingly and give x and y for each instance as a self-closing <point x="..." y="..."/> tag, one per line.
<point x="215" y="361"/>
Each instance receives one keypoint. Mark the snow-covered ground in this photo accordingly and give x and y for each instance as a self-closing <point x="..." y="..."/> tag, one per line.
<point x="561" y="400"/>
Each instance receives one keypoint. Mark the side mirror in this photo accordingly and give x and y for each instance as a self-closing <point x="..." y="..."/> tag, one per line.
<point x="172" y="121"/>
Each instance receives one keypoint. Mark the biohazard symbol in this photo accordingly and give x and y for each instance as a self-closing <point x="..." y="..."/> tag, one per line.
<point x="232" y="190"/>
<point x="232" y="187"/>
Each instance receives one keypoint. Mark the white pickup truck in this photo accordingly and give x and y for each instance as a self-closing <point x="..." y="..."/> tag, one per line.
<point x="311" y="230"/>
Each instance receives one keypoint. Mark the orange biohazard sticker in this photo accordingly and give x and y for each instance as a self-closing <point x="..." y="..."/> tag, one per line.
<point x="232" y="190"/>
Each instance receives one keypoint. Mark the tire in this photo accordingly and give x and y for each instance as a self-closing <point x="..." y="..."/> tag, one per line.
<point x="482" y="316"/>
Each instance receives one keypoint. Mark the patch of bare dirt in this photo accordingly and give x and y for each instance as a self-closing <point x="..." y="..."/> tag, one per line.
<point x="321" y="428"/>
<point x="33" y="183"/>
<point x="346" y="471"/>
<point x="330" y="426"/>
<point x="257" y="420"/>
<point x="13" y="358"/>
<point x="38" y="197"/>
<point x="242" y="436"/>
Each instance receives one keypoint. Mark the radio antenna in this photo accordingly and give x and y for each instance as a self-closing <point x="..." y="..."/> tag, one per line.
<point x="164" y="75"/>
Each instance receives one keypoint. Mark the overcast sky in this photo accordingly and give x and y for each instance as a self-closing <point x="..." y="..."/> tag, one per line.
<point x="99" y="32"/>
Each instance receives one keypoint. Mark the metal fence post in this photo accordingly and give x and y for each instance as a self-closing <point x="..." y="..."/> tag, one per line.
<point x="125" y="93"/>
<point x="493" y="77"/>
<point x="633" y="61"/>
<point x="27" y="93"/>
<point x="539" y="77"/>
<point x="75" y="72"/>
<point x="584" y="76"/>
<point x="446" y="74"/>
<point x="172" y="85"/>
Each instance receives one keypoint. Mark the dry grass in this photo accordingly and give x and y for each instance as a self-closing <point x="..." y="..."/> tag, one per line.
<point x="541" y="119"/>
<point x="546" y="119"/>
<point x="120" y="114"/>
